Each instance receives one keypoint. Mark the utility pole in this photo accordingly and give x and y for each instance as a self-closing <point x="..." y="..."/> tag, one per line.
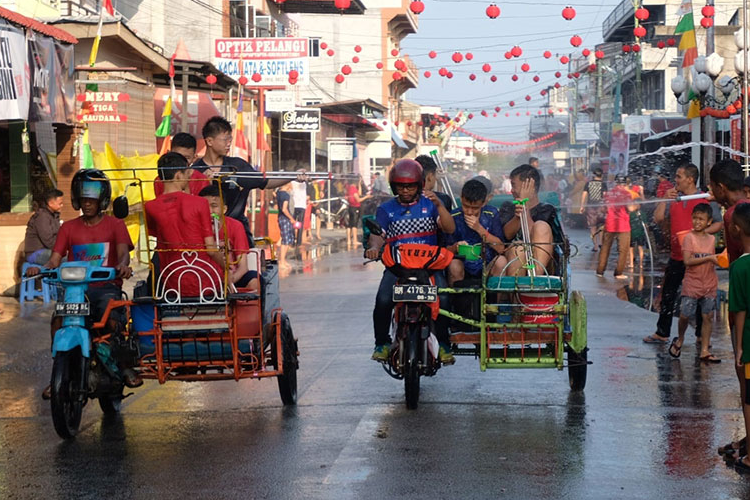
<point x="745" y="139"/>
<point x="709" y="125"/>
<point x="638" y="81"/>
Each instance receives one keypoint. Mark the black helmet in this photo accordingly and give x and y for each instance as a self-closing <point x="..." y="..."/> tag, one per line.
<point x="620" y="179"/>
<point x="90" y="175"/>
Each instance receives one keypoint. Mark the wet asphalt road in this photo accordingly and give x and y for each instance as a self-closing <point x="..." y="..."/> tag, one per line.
<point x="646" y="427"/>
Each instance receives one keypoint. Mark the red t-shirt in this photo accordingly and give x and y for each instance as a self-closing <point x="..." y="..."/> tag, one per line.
<point x="96" y="244"/>
<point x="734" y="245"/>
<point x="680" y="219"/>
<point x="700" y="281"/>
<point x="351" y="195"/>
<point x="618" y="218"/>
<point x="663" y="187"/>
<point x="237" y="237"/>
<point x="198" y="181"/>
<point x="182" y="221"/>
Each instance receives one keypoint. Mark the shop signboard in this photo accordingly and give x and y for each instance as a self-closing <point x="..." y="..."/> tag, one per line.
<point x="300" y="120"/>
<point x="102" y="107"/>
<point x="279" y="100"/>
<point x="341" y="151"/>
<point x="271" y="58"/>
<point x="14" y="75"/>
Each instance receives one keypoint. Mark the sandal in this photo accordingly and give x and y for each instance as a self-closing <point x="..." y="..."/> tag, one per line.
<point x="729" y="448"/>
<point x="655" y="339"/>
<point x="674" y="349"/>
<point x="742" y="466"/>
<point x="710" y="358"/>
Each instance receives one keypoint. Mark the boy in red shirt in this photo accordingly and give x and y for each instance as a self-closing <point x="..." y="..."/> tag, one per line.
<point x="181" y="223"/>
<point x="699" y="284"/>
<point x="185" y="144"/>
<point x="617" y="225"/>
<point x="239" y="273"/>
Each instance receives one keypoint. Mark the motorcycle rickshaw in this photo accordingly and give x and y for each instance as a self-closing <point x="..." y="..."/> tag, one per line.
<point x="223" y="334"/>
<point x="525" y="321"/>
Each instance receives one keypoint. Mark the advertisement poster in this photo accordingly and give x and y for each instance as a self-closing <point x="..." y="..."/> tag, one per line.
<point x="735" y="134"/>
<point x="52" y="81"/>
<point x="618" y="151"/>
<point x="271" y="58"/>
<point x="14" y="75"/>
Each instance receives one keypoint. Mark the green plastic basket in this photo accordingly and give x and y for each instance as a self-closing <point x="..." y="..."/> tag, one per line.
<point x="470" y="252"/>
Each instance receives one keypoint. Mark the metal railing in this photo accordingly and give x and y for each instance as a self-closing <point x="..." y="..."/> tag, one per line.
<point x="613" y="20"/>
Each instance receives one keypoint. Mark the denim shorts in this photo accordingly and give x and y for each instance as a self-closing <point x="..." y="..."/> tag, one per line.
<point x="689" y="305"/>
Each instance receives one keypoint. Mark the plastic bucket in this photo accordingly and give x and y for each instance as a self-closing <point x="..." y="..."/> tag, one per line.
<point x="681" y="236"/>
<point x="723" y="259"/>
<point x="538" y="303"/>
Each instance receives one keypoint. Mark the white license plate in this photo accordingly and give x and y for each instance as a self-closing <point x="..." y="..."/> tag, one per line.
<point x="72" y="309"/>
<point x="415" y="293"/>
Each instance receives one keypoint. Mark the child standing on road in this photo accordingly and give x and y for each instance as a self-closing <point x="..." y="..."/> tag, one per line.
<point x="739" y="304"/>
<point x="699" y="284"/>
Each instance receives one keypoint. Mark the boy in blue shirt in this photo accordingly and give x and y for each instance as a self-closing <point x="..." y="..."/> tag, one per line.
<point x="413" y="216"/>
<point x="475" y="222"/>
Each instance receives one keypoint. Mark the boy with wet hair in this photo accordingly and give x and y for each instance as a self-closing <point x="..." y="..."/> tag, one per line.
<point x="474" y="223"/>
<point x="185" y="144"/>
<point x="739" y="304"/>
<point x="429" y="171"/>
<point x="699" y="284"/>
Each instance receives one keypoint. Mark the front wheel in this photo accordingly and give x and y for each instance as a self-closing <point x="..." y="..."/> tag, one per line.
<point x="110" y="404"/>
<point x="287" y="380"/>
<point x="68" y="393"/>
<point x="411" y="385"/>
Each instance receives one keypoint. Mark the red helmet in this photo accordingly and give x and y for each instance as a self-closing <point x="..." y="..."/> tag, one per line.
<point x="406" y="172"/>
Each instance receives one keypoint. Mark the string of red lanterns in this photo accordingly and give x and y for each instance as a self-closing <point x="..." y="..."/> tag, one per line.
<point x="503" y="143"/>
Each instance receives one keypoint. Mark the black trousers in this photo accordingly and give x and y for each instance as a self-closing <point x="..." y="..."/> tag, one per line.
<point x="673" y="276"/>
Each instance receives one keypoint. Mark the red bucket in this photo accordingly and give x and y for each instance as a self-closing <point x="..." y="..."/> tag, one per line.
<point x="538" y="303"/>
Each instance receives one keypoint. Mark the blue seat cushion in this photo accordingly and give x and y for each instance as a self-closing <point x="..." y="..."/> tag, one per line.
<point x="190" y="350"/>
<point x="513" y="284"/>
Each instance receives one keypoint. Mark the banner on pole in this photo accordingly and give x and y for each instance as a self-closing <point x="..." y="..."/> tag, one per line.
<point x="14" y="75"/>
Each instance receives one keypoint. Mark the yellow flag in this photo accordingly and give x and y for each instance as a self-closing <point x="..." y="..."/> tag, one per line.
<point x="167" y="108"/>
<point x="94" y="50"/>
<point x="694" y="111"/>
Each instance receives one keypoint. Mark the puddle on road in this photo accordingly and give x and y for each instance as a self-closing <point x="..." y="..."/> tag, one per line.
<point x="642" y="290"/>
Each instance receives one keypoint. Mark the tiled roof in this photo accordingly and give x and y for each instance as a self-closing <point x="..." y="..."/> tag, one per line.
<point x="37" y="26"/>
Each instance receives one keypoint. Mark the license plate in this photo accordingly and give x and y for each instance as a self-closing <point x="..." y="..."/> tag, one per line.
<point x="414" y="293"/>
<point x="72" y="309"/>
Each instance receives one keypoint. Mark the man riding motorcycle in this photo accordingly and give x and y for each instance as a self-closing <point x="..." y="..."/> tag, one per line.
<point x="413" y="216"/>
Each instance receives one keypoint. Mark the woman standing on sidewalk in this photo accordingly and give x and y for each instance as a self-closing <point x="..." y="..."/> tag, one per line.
<point x="354" y="198"/>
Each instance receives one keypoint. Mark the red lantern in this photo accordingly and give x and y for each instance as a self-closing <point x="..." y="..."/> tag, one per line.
<point x="442" y="72"/>
<point x="470" y="116"/>
<point x="379" y="65"/>
<point x="323" y="45"/>
<point x="417" y="7"/>
<point x="484" y="113"/>
<point x="660" y="44"/>
<point x="292" y="81"/>
<point x="486" y="67"/>
<point x="330" y="52"/>
<point x="626" y="48"/>
<point x="577" y="74"/>
<point x="547" y="54"/>
<point x="457" y="57"/>
<point x="528" y="113"/>
<point x="355" y="59"/>
<point x="670" y="42"/>
<point x="599" y="54"/>
<point x="539" y="112"/>
<point x="449" y="75"/>
<point x="400" y="65"/>
<point x="211" y="79"/>
<point x="557" y="85"/>
<point x="707" y="22"/>
<point x="469" y="56"/>
<point x="357" y="49"/>
<point x="586" y="52"/>
<point x="493" y="78"/>
<point x="592" y="68"/>
<point x="641" y="14"/>
<point x="558" y="74"/>
<point x="518" y="113"/>
<point x="432" y="54"/>
<point x="542" y="92"/>
<point x="409" y="123"/>
<point x="516" y="51"/>
<point x="568" y="13"/>
<point x="525" y="67"/>
<point x="243" y="80"/>
<point x="394" y="52"/>
<point x="427" y="74"/>
<point x="396" y="75"/>
<point x="472" y="77"/>
<point x="346" y="69"/>
<point x="708" y="11"/>
<point x="339" y="78"/>
<point x="639" y="32"/>
<point x="396" y="123"/>
<point x="294" y="74"/>
<point x="497" y="109"/>
<point x="420" y="123"/>
<point x="528" y="97"/>
<point x="512" y="103"/>
<point x="536" y="78"/>
<point x="636" y="48"/>
<point x="565" y="59"/>
<point x="256" y="77"/>
<point x="342" y="4"/>
<point x="514" y="78"/>
<point x="507" y="115"/>
<point x="730" y="109"/>
<point x="508" y="55"/>
<point x="493" y="11"/>
<point x="576" y="41"/>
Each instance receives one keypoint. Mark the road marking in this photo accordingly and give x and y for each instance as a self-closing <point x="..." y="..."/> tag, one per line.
<point x="352" y="464"/>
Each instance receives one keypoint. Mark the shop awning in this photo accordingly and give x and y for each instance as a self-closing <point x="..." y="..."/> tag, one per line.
<point x="40" y="27"/>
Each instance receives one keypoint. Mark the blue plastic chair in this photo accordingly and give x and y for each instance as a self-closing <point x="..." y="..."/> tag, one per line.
<point x="28" y="287"/>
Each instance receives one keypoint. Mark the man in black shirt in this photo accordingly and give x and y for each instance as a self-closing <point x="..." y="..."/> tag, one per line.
<point x="217" y="132"/>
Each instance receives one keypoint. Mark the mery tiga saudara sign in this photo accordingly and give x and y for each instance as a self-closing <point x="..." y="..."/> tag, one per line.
<point x="271" y="58"/>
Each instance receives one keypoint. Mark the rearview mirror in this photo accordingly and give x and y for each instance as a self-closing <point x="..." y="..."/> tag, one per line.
<point x="373" y="226"/>
<point x="120" y="207"/>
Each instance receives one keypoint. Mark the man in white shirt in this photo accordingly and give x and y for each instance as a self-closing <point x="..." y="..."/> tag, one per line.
<point x="299" y="199"/>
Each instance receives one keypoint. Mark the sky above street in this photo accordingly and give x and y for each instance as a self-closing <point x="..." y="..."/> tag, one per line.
<point x="447" y="26"/>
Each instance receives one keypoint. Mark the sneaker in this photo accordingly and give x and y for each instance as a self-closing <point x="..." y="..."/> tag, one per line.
<point x="47" y="393"/>
<point x="381" y="353"/>
<point x="599" y="275"/>
<point x="621" y="277"/>
<point x="446" y="356"/>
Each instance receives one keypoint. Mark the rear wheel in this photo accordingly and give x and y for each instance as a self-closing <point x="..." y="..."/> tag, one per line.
<point x="287" y="380"/>
<point x="67" y="395"/>
<point x="577" y="367"/>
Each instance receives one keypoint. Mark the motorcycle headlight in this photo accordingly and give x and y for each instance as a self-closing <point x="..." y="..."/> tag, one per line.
<point x="73" y="273"/>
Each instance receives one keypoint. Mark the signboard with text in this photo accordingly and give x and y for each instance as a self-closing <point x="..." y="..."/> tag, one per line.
<point x="102" y="107"/>
<point x="271" y="58"/>
<point x="300" y="120"/>
<point x="341" y="151"/>
<point x="279" y="100"/>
